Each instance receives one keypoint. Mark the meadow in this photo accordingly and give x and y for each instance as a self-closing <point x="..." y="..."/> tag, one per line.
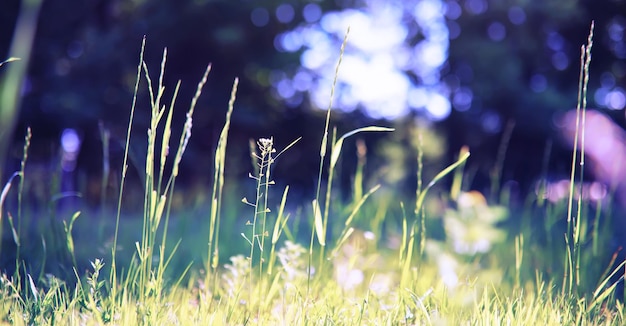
<point x="369" y="260"/>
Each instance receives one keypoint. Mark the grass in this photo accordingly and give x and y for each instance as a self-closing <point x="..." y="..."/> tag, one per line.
<point x="352" y="270"/>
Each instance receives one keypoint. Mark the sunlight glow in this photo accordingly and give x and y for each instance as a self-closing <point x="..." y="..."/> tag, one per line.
<point x="382" y="52"/>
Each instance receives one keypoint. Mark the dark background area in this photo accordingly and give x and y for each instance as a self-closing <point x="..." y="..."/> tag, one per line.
<point x="85" y="55"/>
<point x="84" y="63"/>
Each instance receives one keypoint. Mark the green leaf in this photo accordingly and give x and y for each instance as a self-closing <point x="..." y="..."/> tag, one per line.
<point x="319" y="224"/>
<point x="360" y="203"/>
<point x="281" y="210"/>
<point x="334" y="156"/>
<point x="5" y="192"/>
<point x="439" y="176"/>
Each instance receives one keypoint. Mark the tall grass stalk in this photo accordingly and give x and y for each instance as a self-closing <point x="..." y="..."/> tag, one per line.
<point x="576" y="231"/>
<point x="156" y="193"/>
<point x="20" y="192"/>
<point x="496" y="174"/>
<point x="541" y="198"/>
<point x="266" y="149"/>
<point x="16" y="232"/>
<point x="457" y="179"/>
<point x="357" y="183"/>
<point x="519" y="258"/>
<point x="323" y="148"/>
<point x="573" y="235"/>
<point x="169" y="188"/>
<point x="321" y="220"/>
<point x="154" y="201"/>
<point x="146" y="279"/>
<point x="20" y="197"/>
<point x="218" y="193"/>
<point x="334" y="159"/>
<point x="419" y="211"/>
<point x="414" y="229"/>
<point x="113" y="274"/>
<point x="105" y="137"/>
<point x="20" y="189"/>
<point x="265" y="156"/>
<point x="323" y="227"/>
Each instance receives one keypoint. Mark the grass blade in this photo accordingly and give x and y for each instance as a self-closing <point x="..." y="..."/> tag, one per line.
<point x="319" y="224"/>
<point x="439" y="176"/>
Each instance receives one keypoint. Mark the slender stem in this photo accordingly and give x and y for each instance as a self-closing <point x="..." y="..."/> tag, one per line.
<point x="113" y="276"/>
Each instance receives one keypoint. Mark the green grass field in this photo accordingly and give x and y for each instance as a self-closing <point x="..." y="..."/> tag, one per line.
<point x="490" y="263"/>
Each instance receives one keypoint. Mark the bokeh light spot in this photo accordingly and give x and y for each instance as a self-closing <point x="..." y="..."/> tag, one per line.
<point x="260" y="17"/>
<point x="302" y="81"/>
<point x="517" y="15"/>
<point x="285" y="89"/>
<point x="453" y="10"/>
<point x="454" y="30"/>
<point x="70" y="141"/>
<point x="600" y="96"/>
<point x="619" y="49"/>
<point x="438" y="106"/>
<point x="70" y="144"/>
<point x="285" y="13"/>
<point x="377" y="62"/>
<point x="560" y="61"/>
<point x="496" y="31"/>
<point x="616" y="30"/>
<point x="290" y="41"/>
<point x="462" y="99"/>
<point x="555" y="41"/>
<point x="476" y="7"/>
<point x="491" y="122"/>
<point x="311" y="12"/>
<point x="615" y="99"/>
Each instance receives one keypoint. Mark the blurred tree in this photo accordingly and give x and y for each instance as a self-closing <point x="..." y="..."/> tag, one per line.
<point x="519" y="61"/>
<point x="11" y="81"/>
<point x="473" y="64"/>
<point x="84" y="67"/>
<point x="492" y="64"/>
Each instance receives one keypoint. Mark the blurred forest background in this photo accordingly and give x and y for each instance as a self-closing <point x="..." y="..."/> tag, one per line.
<point x="463" y="72"/>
